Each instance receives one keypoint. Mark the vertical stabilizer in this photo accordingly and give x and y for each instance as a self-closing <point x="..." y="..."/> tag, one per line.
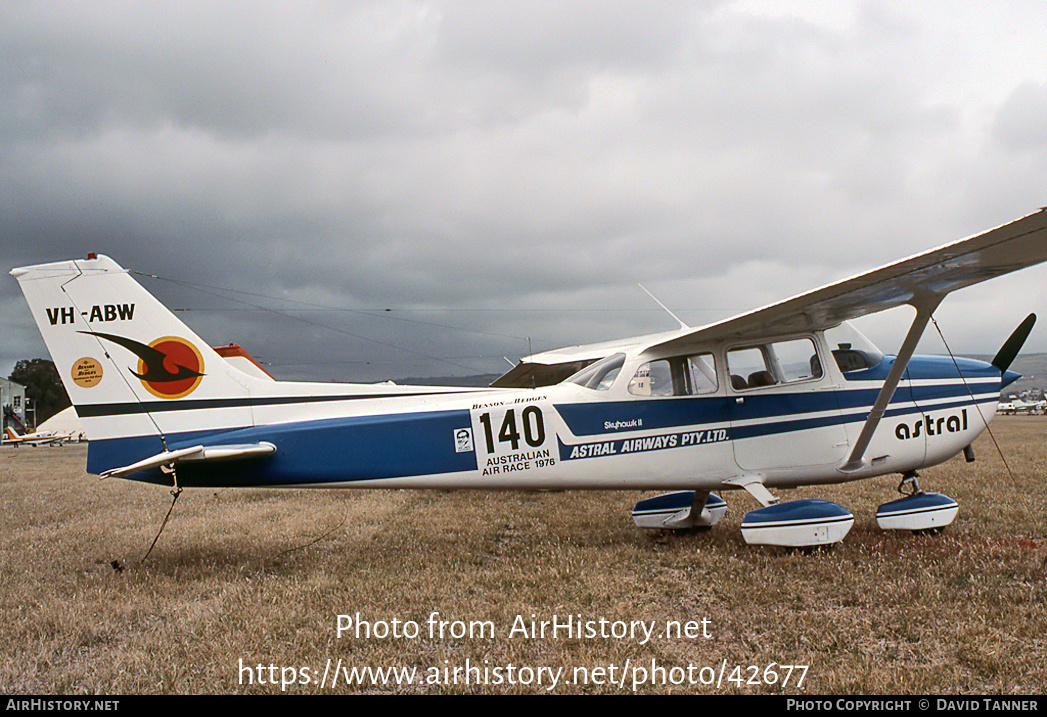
<point x="131" y="367"/>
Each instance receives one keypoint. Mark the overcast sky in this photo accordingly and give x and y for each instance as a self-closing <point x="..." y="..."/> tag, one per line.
<point x="366" y="190"/>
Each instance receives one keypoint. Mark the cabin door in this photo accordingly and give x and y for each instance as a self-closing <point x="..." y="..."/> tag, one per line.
<point x="784" y="408"/>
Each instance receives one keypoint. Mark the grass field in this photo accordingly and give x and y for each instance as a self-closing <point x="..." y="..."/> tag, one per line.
<point x="244" y="589"/>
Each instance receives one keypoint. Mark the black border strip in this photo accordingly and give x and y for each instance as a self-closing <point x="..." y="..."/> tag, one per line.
<point x="120" y="409"/>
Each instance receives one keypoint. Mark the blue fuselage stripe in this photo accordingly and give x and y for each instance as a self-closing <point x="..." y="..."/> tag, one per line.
<point x="332" y="450"/>
<point x="781" y="410"/>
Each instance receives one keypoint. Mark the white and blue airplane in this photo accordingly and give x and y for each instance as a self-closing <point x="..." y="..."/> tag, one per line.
<point x="783" y="396"/>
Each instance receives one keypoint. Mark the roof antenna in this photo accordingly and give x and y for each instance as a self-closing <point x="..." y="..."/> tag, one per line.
<point x="682" y="324"/>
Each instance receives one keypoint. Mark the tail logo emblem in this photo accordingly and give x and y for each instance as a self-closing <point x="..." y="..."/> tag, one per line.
<point x="169" y="367"/>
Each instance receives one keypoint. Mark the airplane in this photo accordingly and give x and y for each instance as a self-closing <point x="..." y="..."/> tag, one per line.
<point x="783" y="396"/>
<point x="1020" y="406"/>
<point x="37" y="438"/>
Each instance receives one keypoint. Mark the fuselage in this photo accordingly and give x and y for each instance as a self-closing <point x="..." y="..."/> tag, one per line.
<point x="648" y="421"/>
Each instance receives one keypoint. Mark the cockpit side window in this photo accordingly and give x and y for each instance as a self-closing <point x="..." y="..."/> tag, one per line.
<point x="775" y="363"/>
<point x="796" y="360"/>
<point x="748" y="368"/>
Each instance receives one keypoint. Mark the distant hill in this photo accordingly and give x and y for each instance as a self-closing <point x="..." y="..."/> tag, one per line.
<point x="482" y="380"/>
<point x="1032" y="367"/>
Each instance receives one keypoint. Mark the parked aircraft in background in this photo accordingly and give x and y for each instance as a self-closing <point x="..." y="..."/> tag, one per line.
<point x="1019" y="406"/>
<point x="782" y="396"/>
<point x="38" y="438"/>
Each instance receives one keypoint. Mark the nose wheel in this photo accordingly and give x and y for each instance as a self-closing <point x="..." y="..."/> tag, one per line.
<point x="917" y="511"/>
<point x="910" y="484"/>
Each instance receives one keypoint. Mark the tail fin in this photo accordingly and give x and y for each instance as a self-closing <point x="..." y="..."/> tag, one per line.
<point x="131" y="367"/>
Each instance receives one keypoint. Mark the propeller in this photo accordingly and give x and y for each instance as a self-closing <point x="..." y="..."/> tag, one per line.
<point x="1013" y="345"/>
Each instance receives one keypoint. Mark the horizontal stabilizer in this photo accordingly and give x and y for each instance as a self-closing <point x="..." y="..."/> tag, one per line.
<point x="196" y="453"/>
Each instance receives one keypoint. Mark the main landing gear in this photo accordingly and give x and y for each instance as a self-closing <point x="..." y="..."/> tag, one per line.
<point x="680" y="510"/>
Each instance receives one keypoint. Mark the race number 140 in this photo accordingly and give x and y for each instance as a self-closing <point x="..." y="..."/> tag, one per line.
<point x="513" y="431"/>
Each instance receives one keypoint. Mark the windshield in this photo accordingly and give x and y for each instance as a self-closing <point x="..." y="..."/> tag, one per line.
<point x="851" y="349"/>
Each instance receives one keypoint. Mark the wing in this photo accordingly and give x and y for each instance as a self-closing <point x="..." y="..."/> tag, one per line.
<point x="923" y="279"/>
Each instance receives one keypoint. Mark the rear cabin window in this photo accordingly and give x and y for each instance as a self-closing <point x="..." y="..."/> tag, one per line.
<point x="677" y="376"/>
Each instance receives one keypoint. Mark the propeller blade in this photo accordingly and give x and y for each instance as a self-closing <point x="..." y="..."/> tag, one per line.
<point x="1013" y="345"/>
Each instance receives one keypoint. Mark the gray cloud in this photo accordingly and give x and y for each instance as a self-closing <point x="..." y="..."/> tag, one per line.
<point x="498" y="172"/>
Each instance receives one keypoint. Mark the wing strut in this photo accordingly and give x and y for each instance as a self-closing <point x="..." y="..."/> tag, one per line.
<point x="925" y="306"/>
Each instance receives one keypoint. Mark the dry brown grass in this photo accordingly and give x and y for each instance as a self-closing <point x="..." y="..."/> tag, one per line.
<point x="234" y="577"/>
